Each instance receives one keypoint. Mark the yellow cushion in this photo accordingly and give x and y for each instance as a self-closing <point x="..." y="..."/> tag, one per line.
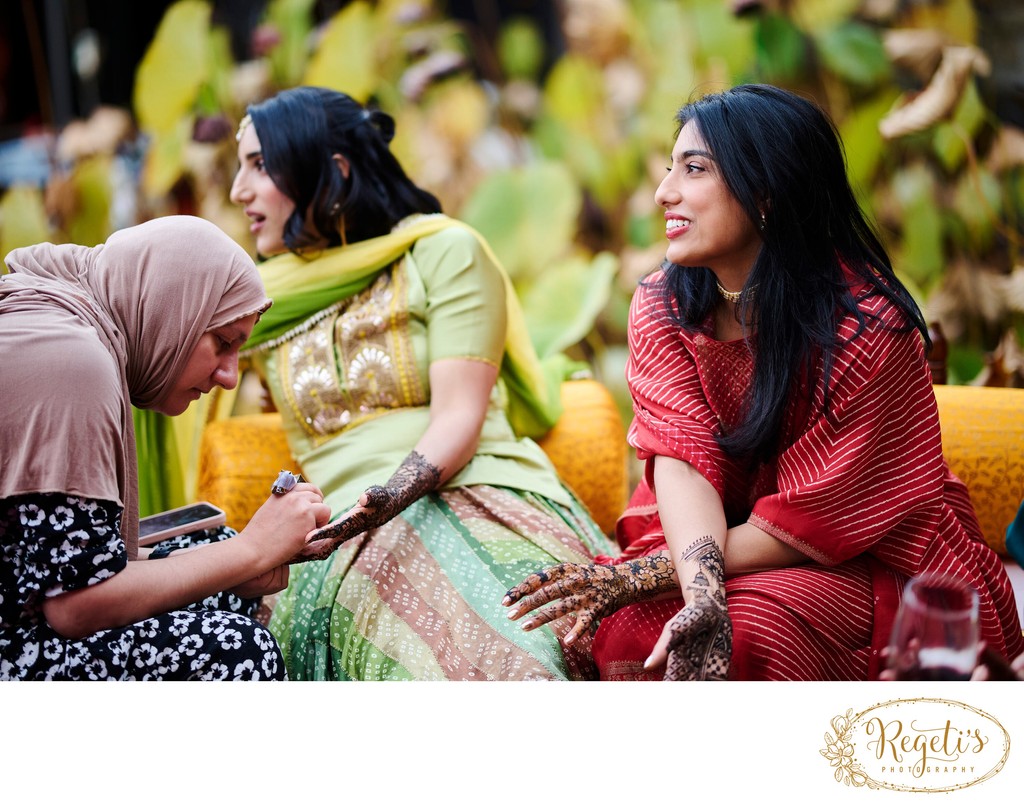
<point x="241" y="456"/>
<point x="983" y="442"/>
<point x="588" y="447"/>
<point x="239" y="459"/>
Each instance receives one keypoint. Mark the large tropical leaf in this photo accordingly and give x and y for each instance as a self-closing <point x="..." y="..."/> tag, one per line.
<point x="854" y="52"/>
<point x="174" y="66"/>
<point x="562" y="304"/>
<point x="165" y="158"/>
<point x="345" y="57"/>
<point x="782" y="49"/>
<point x="528" y="215"/>
<point x="862" y="141"/>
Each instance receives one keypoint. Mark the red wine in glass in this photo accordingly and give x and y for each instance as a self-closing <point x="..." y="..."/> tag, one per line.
<point x="935" y="636"/>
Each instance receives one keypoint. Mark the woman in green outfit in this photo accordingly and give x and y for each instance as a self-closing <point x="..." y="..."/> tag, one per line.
<point x="398" y="357"/>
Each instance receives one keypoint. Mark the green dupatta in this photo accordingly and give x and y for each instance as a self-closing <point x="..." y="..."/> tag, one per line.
<point x="300" y="287"/>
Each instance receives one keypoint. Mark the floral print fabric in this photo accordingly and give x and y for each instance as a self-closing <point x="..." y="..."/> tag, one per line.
<point x="53" y="543"/>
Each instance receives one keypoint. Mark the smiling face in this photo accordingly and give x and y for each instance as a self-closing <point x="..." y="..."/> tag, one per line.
<point x="213" y="363"/>
<point x="704" y="223"/>
<point x="267" y="207"/>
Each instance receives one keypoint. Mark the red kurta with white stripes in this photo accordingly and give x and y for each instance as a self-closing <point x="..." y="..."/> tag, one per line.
<point x="862" y="490"/>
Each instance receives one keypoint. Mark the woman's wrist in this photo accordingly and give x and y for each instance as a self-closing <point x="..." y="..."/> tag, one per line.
<point x="647" y="577"/>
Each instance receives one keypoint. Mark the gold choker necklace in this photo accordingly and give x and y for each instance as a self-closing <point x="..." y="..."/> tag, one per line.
<point x="731" y="296"/>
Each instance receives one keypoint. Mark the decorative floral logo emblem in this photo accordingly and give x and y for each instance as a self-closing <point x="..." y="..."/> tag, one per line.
<point x="925" y="745"/>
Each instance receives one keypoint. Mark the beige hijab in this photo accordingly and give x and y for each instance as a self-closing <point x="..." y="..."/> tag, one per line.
<point x="85" y="332"/>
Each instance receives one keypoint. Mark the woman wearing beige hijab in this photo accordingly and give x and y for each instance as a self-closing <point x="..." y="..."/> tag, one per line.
<point x="152" y="318"/>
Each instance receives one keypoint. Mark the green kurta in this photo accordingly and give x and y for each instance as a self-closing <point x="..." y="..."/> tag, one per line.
<point x="352" y="384"/>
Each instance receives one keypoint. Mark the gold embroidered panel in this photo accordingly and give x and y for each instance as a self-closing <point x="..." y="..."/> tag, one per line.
<point x="355" y="364"/>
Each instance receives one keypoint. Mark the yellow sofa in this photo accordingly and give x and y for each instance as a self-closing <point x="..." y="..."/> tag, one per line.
<point x="983" y="442"/>
<point x="240" y="456"/>
<point x="982" y="439"/>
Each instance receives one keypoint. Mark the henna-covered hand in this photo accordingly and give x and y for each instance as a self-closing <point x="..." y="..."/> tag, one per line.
<point x="591" y="591"/>
<point x="698" y="639"/>
<point x="700" y="643"/>
<point x="377" y="505"/>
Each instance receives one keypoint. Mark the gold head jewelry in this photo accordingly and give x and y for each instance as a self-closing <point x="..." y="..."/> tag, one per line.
<point x="244" y="122"/>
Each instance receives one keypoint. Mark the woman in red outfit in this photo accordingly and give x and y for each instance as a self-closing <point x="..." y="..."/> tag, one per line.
<point x="783" y="404"/>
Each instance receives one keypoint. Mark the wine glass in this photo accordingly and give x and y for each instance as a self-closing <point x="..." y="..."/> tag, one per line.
<point x="935" y="636"/>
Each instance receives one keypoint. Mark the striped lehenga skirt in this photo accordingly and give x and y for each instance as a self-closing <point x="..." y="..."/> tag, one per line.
<point x="419" y="598"/>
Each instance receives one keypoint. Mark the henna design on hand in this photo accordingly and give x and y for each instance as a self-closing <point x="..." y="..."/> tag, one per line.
<point x="700" y="647"/>
<point x="415" y="477"/>
<point x="592" y="591"/>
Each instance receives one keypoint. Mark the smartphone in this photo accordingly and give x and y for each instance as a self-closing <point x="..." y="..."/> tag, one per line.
<point x="191" y="517"/>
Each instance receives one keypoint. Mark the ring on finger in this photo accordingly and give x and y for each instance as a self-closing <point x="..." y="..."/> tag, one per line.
<point x="285" y="481"/>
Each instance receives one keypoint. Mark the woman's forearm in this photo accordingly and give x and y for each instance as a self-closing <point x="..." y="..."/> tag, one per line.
<point x="146" y="588"/>
<point x="751" y="549"/>
<point x="693" y="518"/>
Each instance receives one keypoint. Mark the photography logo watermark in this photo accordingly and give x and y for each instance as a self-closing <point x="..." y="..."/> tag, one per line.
<point x="922" y="745"/>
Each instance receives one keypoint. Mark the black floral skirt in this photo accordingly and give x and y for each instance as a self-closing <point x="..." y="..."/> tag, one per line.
<point x="214" y="639"/>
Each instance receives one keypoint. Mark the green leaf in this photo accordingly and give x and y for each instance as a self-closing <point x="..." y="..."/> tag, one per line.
<point x="949" y="140"/>
<point x="91" y="224"/>
<point x="964" y="363"/>
<point x="862" y="141"/>
<point x="528" y="215"/>
<point x="520" y="49"/>
<point x="293" y="21"/>
<point x="921" y="254"/>
<point x="562" y="304"/>
<point x="574" y="94"/>
<point x="344" y="59"/>
<point x="165" y="160"/>
<point x="854" y="52"/>
<point x="720" y="38"/>
<point x="222" y="64"/>
<point x="174" y="67"/>
<point x="781" y="49"/>
<point x="23" y="220"/>
<point x="978" y="201"/>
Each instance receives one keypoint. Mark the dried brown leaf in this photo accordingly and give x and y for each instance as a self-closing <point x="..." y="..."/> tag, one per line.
<point x="1004" y="366"/>
<point x="1013" y="290"/>
<point x="918" y="50"/>
<point x="1008" y="149"/>
<point x="598" y="29"/>
<point x="969" y="293"/>
<point x="937" y="101"/>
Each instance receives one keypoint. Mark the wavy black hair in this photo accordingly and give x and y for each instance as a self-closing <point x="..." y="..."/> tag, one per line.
<point x="300" y="131"/>
<point x="780" y="154"/>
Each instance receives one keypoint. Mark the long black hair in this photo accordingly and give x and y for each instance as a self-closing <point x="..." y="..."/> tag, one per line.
<point x="780" y="154"/>
<point x="300" y="131"/>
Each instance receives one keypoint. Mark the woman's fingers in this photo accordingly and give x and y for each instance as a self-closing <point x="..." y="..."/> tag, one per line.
<point x="535" y="581"/>
<point x="308" y="487"/>
<point x="315" y="550"/>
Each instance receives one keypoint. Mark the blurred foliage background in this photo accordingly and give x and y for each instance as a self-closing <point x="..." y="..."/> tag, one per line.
<point x="549" y="131"/>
